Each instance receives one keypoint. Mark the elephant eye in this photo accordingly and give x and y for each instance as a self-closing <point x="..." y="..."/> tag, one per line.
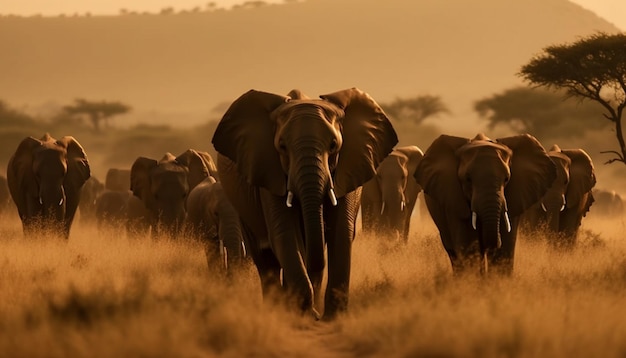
<point x="282" y="146"/>
<point x="333" y="146"/>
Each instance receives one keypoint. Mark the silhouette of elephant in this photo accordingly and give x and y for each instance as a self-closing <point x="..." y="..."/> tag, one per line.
<point x="293" y="166"/>
<point x="477" y="189"/>
<point x="45" y="178"/>
<point x="388" y="199"/>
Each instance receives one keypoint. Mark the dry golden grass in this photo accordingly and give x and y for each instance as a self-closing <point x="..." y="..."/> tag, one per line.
<point x="103" y="296"/>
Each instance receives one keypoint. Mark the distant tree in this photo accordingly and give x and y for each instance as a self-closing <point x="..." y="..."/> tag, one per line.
<point x="592" y="68"/>
<point x="167" y="11"/>
<point x="11" y="116"/>
<point x="97" y="111"/>
<point x="415" y="109"/>
<point x="544" y="114"/>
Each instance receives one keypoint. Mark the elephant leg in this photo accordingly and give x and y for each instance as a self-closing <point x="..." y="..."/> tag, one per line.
<point x="341" y="229"/>
<point x="265" y="262"/>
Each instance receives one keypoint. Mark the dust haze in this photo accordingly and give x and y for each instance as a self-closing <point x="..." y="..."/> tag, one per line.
<point x="104" y="295"/>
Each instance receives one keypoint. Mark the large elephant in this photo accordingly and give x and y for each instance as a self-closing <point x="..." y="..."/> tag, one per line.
<point x="88" y="195"/>
<point x="476" y="190"/>
<point x="388" y="199"/>
<point x="212" y="219"/>
<point x="293" y="167"/>
<point x="45" y="178"/>
<point x="567" y="201"/>
<point x="163" y="187"/>
<point x="112" y="211"/>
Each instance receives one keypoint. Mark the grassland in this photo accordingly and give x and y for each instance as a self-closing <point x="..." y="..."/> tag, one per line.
<point x="103" y="296"/>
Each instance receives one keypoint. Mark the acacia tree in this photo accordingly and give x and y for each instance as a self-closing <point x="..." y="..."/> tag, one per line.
<point x="592" y="68"/>
<point x="542" y="113"/>
<point x="97" y="111"/>
<point x="415" y="109"/>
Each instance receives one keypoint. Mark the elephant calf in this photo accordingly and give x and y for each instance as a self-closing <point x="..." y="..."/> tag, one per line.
<point x="212" y="219"/>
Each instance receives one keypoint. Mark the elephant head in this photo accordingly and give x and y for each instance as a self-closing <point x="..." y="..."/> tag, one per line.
<point x="45" y="178"/>
<point x="163" y="187"/>
<point x="477" y="189"/>
<point x="308" y="154"/>
<point x="117" y="179"/>
<point x="389" y="198"/>
<point x="88" y="195"/>
<point x="569" y="197"/>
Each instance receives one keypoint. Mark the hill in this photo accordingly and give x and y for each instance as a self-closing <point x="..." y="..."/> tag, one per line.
<point x="178" y="67"/>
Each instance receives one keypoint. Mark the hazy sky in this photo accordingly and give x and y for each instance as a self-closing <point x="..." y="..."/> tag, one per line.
<point x="612" y="10"/>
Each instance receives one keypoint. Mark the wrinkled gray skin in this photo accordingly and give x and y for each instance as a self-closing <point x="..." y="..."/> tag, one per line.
<point x="163" y="187"/>
<point x="212" y="219"/>
<point x="88" y="195"/>
<point x="561" y="210"/>
<point x="388" y="199"/>
<point x="476" y="190"/>
<point x="292" y="167"/>
<point x="45" y="177"/>
<point x="607" y="204"/>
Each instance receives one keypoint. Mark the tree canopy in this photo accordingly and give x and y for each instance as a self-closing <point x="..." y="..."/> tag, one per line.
<point x="415" y="109"/>
<point x="593" y="68"/>
<point x="97" y="111"/>
<point x="542" y="113"/>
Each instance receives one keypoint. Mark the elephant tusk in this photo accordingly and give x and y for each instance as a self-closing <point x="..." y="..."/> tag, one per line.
<point x="402" y="205"/>
<point x="61" y="202"/>
<point x="382" y="209"/>
<point x="289" y="198"/>
<point x="507" y="221"/>
<point x="544" y="208"/>
<point x="40" y="200"/>
<point x="474" y="216"/>
<point x="333" y="198"/>
<point x="564" y="203"/>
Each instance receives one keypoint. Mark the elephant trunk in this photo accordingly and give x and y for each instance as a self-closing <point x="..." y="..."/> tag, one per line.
<point x="170" y="221"/>
<point x="490" y="212"/>
<point x="393" y="211"/>
<point x="52" y="200"/>
<point x="312" y="177"/>
<point x="231" y="236"/>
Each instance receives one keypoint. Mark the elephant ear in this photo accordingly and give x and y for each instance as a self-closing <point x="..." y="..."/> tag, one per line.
<point x="245" y="135"/>
<point x="532" y="173"/>
<point x="196" y="166"/>
<point x="582" y="177"/>
<point x="140" y="177"/>
<point x="414" y="155"/>
<point x="368" y="137"/>
<point x="437" y="174"/>
<point x="20" y="174"/>
<point x="297" y="94"/>
<point x="209" y="163"/>
<point x="78" y="170"/>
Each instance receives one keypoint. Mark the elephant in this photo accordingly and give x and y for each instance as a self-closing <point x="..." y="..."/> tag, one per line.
<point x="163" y="187"/>
<point x="388" y="199"/>
<point x="476" y="191"/>
<point x="567" y="201"/>
<point x="213" y="220"/>
<point x="117" y="179"/>
<point x="88" y="195"/>
<point x="293" y="168"/>
<point x="112" y="210"/>
<point x="45" y="178"/>
<point x="607" y="204"/>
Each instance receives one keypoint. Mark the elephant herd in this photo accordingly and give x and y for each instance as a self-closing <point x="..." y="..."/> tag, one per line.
<point x="289" y="179"/>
